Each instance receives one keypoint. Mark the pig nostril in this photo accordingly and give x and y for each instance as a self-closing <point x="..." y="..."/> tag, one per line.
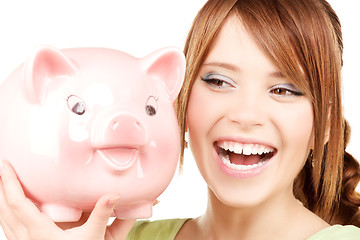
<point x="115" y="125"/>
<point x="138" y="125"/>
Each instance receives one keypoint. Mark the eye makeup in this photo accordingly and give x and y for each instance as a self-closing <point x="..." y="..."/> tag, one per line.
<point x="286" y="90"/>
<point x="218" y="81"/>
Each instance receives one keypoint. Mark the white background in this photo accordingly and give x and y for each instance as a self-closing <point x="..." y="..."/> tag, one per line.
<point x="140" y="27"/>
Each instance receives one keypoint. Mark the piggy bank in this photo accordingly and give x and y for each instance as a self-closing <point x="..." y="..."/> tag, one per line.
<point x="80" y="123"/>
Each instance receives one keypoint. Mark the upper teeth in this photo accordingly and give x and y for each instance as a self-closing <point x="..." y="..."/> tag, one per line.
<point x="246" y="149"/>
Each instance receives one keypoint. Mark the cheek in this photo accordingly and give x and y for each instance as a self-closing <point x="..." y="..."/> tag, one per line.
<point x="200" y="119"/>
<point x="194" y="113"/>
<point x="199" y="111"/>
<point x="297" y="127"/>
<point x="205" y="108"/>
<point x="195" y="118"/>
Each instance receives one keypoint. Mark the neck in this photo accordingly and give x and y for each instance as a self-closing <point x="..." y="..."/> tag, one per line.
<point x="267" y="219"/>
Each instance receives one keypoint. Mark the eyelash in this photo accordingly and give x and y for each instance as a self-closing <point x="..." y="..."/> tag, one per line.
<point x="288" y="91"/>
<point x="214" y="80"/>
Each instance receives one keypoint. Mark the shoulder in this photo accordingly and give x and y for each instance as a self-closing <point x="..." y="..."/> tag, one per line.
<point x="156" y="230"/>
<point x="336" y="232"/>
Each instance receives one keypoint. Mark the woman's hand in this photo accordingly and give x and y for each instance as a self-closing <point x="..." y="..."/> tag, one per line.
<point x="21" y="219"/>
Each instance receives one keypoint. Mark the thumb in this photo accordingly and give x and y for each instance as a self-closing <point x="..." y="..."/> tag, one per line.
<point x="96" y="225"/>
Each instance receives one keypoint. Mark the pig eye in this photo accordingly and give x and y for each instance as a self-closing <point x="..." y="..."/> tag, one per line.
<point x="151" y="106"/>
<point x="76" y="105"/>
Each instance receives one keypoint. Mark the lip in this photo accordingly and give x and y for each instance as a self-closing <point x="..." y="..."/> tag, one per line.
<point x="243" y="174"/>
<point x="119" y="158"/>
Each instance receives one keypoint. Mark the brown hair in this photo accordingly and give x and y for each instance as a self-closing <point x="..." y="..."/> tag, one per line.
<point x="304" y="41"/>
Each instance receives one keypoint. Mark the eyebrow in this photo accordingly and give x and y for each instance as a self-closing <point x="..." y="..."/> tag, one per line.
<point x="232" y="67"/>
<point x="277" y="74"/>
<point x="223" y="65"/>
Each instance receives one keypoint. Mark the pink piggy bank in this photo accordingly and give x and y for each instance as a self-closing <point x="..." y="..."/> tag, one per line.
<point x="80" y="123"/>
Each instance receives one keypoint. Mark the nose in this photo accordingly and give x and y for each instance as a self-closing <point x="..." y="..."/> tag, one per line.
<point x="121" y="130"/>
<point x="248" y="110"/>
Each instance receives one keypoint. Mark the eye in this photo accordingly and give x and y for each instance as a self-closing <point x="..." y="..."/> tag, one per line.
<point x="151" y="106"/>
<point x="285" y="90"/>
<point x="218" y="81"/>
<point x="76" y="105"/>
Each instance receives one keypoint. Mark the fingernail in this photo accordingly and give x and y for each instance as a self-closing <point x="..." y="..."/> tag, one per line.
<point x="155" y="202"/>
<point x="112" y="201"/>
<point x="3" y="166"/>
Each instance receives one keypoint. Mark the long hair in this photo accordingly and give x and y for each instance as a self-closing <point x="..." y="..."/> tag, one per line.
<point x="303" y="39"/>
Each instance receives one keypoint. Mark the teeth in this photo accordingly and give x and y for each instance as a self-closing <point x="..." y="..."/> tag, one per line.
<point x="225" y="159"/>
<point x="246" y="149"/>
<point x="238" y="148"/>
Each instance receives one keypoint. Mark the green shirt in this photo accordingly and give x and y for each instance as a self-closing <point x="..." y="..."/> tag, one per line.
<point x="337" y="232"/>
<point x="167" y="230"/>
<point x="157" y="230"/>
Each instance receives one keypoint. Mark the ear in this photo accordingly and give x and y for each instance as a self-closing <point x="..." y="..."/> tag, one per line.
<point x="167" y="65"/>
<point x="43" y="65"/>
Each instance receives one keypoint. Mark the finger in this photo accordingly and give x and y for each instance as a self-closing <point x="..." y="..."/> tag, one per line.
<point x="21" y="219"/>
<point x="22" y="208"/>
<point x="97" y="222"/>
<point x="120" y="228"/>
<point x="10" y="179"/>
<point x="6" y="230"/>
<point x="19" y="232"/>
<point x="155" y="202"/>
<point x="8" y="220"/>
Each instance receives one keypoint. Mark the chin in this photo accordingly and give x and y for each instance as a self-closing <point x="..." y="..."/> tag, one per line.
<point x="241" y="199"/>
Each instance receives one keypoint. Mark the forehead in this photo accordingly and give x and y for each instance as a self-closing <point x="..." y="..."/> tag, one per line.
<point x="235" y="46"/>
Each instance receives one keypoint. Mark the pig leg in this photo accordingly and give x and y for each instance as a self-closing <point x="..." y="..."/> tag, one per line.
<point x="134" y="211"/>
<point x="61" y="213"/>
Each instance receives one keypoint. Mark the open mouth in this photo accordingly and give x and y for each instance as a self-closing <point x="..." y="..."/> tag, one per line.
<point x="242" y="157"/>
<point x="119" y="158"/>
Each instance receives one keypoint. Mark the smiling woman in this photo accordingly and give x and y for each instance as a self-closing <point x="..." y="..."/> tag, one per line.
<point x="232" y="103"/>
<point x="246" y="112"/>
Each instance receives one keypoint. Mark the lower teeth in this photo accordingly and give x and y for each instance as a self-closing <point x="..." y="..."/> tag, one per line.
<point x="225" y="159"/>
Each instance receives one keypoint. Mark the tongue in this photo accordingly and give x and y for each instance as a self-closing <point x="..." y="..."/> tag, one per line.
<point x="241" y="159"/>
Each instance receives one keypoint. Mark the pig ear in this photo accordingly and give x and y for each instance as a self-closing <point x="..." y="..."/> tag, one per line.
<point x="43" y="65"/>
<point x="167" y="65"/>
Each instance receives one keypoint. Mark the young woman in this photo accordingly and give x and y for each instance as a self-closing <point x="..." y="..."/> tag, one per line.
<point x="262" y="106"/>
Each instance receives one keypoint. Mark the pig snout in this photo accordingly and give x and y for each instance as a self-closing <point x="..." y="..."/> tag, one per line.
<point x="126" y="130"/>
<point x="123" y="130"/>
